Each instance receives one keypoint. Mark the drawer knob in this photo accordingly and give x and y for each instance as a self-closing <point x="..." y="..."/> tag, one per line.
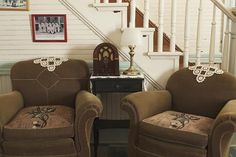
<point x="117" y="86"/>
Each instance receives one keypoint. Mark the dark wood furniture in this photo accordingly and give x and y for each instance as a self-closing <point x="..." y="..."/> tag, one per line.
<point x="113" y="84"/>
<point x="106" y="60"/>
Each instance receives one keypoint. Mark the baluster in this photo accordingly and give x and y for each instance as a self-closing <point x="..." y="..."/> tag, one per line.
<point x="173" y="24"/>
<point x="226" y="44"/>
<point x="222" y="28"/>
<point x="132" y="13"/>
<point x="198" y="41"/>
<point x="186" y="34"/>
<point x="106" y="1"/>
<point x="160" y="27"/>
<point x="119" y="1"/>
<point x="146" y="14"/>
<point x="213" y="36"/>
<point x="225" y="53"/>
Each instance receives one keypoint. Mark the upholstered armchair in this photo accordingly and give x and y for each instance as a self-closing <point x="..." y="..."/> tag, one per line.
<point x="194" y="117"/>
<point x="50" y="111"/>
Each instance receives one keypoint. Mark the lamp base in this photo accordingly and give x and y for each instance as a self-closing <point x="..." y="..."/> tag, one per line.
<point x="131" y="72"/>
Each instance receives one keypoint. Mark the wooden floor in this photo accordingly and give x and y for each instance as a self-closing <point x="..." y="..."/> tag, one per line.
<point x="112" y="151"/>
<point x="121" y="151"/>
<point x="232" y="152"/>
<point x="112" y="143"/>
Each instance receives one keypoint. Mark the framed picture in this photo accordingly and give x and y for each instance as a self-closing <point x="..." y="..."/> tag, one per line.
<point x="14" y="5"/>
<point x="49" y="28"/>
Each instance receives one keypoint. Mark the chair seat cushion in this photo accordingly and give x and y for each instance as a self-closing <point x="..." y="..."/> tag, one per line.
<point x="177" y="127"/>
<point x="41" y="122"/>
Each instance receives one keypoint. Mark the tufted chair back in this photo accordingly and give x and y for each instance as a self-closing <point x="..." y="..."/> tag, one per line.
<point x="55" y="84"/>
<point x="206" y="98"/>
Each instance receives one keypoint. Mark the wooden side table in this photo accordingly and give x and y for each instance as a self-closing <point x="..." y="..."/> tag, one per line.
<point x="113" y="84"/>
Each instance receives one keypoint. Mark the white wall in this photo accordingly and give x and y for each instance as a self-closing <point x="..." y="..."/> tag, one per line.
<point x="16" y="36"/>
<point x="194" y="4"/>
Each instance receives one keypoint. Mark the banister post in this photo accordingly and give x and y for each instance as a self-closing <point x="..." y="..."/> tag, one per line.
<point x="146" y="14"/>
<point x="160" y="27"/>
<point x="232" y="60"/>
<point x="173" y="25"/>
<point x="213" y="38"/>
<point x="199" y="31"/>
<point x="132" y="13"/>
<point x="186" y="34"/>
<point x="225" y="51"/>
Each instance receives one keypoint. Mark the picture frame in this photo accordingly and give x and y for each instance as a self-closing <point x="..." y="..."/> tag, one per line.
<point x="14" y="5"/>
<point x="49" y="27"/>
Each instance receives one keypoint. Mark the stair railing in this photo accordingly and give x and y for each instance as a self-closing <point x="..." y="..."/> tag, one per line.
<point x="217" y="4"/>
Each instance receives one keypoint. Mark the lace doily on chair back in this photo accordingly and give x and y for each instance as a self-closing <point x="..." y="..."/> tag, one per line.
<point x="50" y="62"/>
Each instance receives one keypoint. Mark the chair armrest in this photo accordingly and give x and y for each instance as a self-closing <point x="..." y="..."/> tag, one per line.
<point x="222" y="130"/>
<point x="141" y="105"/>
<point x="10" y="104"/>
<point x="86" y="100"/>
<point x="87" y="108"/>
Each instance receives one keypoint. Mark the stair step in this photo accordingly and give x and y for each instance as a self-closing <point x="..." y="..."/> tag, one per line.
<point x="110" y="6"/>
<point x="159" y="55"/>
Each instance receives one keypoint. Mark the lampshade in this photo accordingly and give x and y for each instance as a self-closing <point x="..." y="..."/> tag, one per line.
<point x="131" y="36"/>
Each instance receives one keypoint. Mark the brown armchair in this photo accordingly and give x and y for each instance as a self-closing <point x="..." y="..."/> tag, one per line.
<point x="188" y="119"/>
<point x="50" y="111"/>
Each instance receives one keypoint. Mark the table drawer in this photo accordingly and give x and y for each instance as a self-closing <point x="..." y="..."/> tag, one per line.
<point x="117" y="85"/>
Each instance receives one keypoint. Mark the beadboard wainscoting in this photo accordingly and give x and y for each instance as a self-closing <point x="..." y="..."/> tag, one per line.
<point x="5" y="84"/>
<point x="111" y="106"/>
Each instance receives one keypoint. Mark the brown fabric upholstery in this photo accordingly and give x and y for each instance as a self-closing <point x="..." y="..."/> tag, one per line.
<point x="211" y="104"/>
<point x="167" y="149"/>
<point x="213" y="93"/>
<point x="60" y="124"/>
<point x="58" y="105"/>
<point x="175" y="127"/>
<point x="44" y="87"/>
<point x="9" y="106"/>
<point x="40" y="147"/>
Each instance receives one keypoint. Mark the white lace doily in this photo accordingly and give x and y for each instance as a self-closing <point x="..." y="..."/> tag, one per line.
<point x="204" y="71"/>
<point x="50" y="62"/>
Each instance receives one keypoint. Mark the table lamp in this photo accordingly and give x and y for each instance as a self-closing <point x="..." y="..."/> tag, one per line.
<point x="131" y="37"/>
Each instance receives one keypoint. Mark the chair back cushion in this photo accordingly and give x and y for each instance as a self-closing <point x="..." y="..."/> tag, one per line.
<point x="206" y="98"/>
<point x="53" y="84"/>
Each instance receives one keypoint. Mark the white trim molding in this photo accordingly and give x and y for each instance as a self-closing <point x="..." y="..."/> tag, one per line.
<point x="114" y="7"/>
<point x="149" y="33"/>
<point x="174" y="56"/>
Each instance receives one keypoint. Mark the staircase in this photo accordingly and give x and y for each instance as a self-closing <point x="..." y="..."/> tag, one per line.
<point x="160" y="49"/>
